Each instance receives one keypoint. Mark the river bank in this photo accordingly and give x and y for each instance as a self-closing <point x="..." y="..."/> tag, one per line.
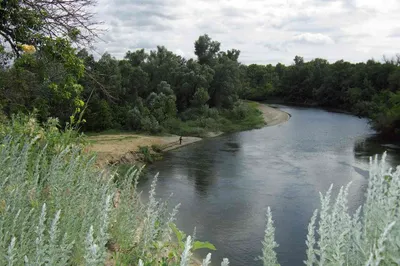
<point x="112" y="149"/>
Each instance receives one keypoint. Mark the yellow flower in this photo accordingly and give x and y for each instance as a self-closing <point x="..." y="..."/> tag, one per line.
<point x="30" y="49"/>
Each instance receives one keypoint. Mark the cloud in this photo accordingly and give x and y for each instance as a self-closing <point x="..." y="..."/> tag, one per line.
<point x="395" y="33"/>
<point x="275" y="47"/>
<point x="313" y="38"/>
<point x="265" y="31"/>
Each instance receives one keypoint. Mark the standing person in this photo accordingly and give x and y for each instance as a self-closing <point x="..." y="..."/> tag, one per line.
<point x="180" y="140"/>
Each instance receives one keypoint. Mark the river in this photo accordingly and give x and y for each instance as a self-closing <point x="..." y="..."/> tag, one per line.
<point x="226" y="183"/>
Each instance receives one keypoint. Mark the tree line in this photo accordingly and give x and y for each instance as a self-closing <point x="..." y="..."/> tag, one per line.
<point x="43" y="69"/>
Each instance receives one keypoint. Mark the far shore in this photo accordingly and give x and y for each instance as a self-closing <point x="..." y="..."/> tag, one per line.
<point x="123" y="148"/>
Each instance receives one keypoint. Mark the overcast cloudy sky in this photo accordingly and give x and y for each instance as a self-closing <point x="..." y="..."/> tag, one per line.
<point x="266" y="31"/>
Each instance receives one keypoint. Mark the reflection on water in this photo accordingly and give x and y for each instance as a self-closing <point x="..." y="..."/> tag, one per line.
<point x="226" y="183"/>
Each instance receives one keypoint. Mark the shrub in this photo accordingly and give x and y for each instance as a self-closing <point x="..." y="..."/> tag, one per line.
<point x="147" y="156"/>
<point x="60" y="210"/>
<point x="240" y="110"/>
<point x="370" y="236"/>
<point x="46" y="135"/>
<point x="212" y="113"/>
<point x="156" y="148"/>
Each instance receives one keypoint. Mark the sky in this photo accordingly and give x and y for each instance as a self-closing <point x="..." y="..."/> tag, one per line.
<point x="265" y="31"/>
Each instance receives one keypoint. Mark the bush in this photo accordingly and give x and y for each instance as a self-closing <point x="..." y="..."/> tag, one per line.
<point x="46" y="135"/>
<point x="370" y="236"/>
<point x="156" y="148"/>
<point x="147" y="156"/>
<point x="240" y="110"/>
<point x="212" y="112"/>
<point x="60" y="210"/>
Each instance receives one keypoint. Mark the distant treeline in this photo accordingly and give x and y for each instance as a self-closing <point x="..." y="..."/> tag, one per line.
<point x="370" y="89"/>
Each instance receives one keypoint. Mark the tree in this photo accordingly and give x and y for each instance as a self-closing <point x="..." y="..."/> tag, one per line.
<point x="206" y="49"/>
<point x="224" y="88"/>
<point x="162" y="65"/>
<point x="136" y="58"/>
<point x="232" y="54"/>
<point x="200" y="98"/>
<point x="298" y="60"/>
<point x="29" y="21"/>
<point x="46" y="80"/>
<point x="188" y="78"/>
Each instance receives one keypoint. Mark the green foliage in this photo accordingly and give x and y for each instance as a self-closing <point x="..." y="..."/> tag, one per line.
<point x="46" y="135"/>
<point x="180" y="237"/>
<point x="46" y="80"/>
<point x="200" y="97"/>
<point x="206" y="49"/>
<point x="156" y="148"/>
<point x="387" y="117"/>
<point x="147" y="155"/>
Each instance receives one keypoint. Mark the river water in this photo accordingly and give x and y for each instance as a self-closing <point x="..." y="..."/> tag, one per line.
<point x="225" y="184"/>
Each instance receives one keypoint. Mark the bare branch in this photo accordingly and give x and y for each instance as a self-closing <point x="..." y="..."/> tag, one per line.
<point x="55" y="18"/>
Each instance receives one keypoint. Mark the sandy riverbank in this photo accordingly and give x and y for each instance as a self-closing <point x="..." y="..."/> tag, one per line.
<point x="123" y="148"/>
<point x="273" y="116"/>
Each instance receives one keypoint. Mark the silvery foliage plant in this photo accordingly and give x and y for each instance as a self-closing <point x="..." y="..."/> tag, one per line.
<point x="370" y="236"/>
<point x="64" y="211"/>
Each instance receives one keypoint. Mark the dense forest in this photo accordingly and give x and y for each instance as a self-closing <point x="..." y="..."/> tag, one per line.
<point x="159" y="91"/>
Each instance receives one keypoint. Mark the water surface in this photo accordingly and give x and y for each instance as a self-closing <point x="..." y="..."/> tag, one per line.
<point x="226" y="183"/>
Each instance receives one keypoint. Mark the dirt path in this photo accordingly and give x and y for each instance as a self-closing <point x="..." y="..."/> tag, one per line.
<point x="123" y="148"/>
